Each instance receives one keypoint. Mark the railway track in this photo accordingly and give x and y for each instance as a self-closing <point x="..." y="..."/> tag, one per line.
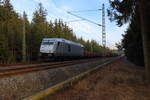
<point x="15" y="70"/>
<point x="42" y="95"/>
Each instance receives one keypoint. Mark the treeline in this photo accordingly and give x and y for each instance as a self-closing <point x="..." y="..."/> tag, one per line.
<point x="132" y="41"/>
<point x="12" y="26"/>
<point x="123" y="11"/>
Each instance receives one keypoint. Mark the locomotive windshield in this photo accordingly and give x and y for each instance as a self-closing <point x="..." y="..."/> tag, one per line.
<point x="47" y="43"/>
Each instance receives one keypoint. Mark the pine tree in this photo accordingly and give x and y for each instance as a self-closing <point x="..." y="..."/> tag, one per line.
<point x="122" y="11"/>
<point x="39" y="29"/>
<point x="132" y="42"/>
<point x="9" y="20"/>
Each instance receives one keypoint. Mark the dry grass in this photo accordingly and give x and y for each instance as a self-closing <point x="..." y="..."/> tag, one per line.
<point x="118" y="81"/>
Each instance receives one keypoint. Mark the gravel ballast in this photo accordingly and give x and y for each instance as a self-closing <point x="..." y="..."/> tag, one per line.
<point x="120" y="80"/>
<point x="21" y="86"/>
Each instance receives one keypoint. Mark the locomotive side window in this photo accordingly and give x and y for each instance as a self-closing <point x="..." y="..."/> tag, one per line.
<point x="69" y="48"/>
<point x="58" y="43"/>
<point x="61" y="43"/>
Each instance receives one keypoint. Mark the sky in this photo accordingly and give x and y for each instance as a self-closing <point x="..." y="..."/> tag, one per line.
<point x="57" y="9"/>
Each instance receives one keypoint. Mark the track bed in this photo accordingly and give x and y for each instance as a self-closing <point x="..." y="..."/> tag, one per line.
<point x="20" y="86"/>
<point x="22" y="69"/>
<point x="118" y="81"/>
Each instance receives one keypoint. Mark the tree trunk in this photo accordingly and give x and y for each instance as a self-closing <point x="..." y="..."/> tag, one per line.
<point x="144" y="6"/>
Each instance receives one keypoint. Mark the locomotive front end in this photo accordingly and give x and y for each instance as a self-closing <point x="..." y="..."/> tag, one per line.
<point x="47" y="48"/>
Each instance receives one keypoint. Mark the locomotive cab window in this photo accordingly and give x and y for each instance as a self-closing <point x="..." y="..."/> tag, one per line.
<point x="47" y="43"/>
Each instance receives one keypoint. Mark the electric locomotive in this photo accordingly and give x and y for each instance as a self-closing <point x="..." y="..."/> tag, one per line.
<point x="60" y="48"/>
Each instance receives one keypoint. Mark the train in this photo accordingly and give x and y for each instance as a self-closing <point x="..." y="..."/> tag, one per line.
<point x="55" y="48"/>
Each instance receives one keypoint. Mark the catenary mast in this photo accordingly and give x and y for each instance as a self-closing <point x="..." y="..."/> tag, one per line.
<point x="85" y="19"/>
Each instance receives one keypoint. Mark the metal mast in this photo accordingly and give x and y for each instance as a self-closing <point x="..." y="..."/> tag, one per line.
<point x="103" y="26"/>
<point x="24" y="40"/>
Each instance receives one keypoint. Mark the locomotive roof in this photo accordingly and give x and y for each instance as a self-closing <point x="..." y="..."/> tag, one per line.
<point x="64" y="40"/>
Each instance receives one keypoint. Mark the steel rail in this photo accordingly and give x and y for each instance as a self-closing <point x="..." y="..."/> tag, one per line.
<point x="67" y="83"/>
<point x="40" y="67"/>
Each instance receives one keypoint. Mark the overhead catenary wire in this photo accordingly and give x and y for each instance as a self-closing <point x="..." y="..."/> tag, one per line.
<point x="83" y="18"/>
<point x="86" y="11"/>
<point x="74" y="20"/>
<point x="89" y="34"/>
<point x="101" y="25"/>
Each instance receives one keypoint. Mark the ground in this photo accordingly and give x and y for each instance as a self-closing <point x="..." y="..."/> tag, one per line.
<point x="120" y="80"/>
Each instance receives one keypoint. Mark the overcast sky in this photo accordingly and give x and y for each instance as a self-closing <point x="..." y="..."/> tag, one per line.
<point x="58" y="8"/>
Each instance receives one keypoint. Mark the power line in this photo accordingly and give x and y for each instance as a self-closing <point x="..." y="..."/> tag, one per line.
<point x="86" y="11"/>
<point x="74" y="20"/>
<point x="84" y="18"/>
<point x="102" y="25"/>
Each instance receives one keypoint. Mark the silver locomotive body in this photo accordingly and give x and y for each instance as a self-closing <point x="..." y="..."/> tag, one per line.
<point x="58" y="47"/>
